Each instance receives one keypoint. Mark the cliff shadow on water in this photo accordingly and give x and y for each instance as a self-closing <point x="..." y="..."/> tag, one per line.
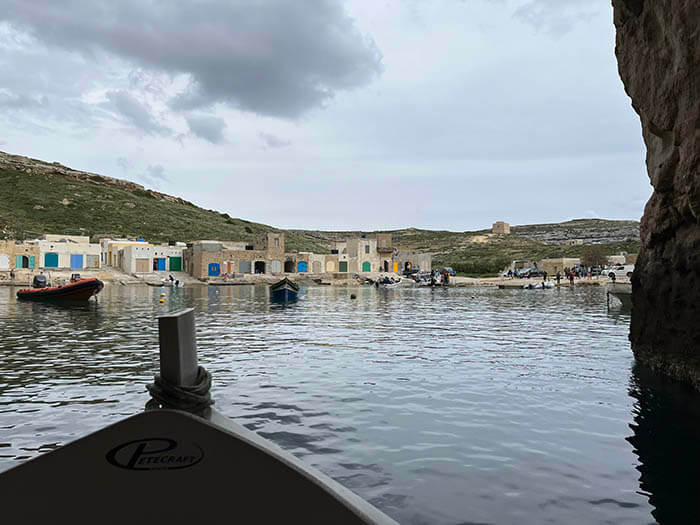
<point x="665" y="439"/>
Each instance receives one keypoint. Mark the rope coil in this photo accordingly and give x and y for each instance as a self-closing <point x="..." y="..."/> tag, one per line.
<point x="195" y="398"/>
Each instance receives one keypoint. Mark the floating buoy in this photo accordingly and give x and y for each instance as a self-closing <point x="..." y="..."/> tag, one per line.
<point x="163" y="294"/>
<point x="353" y="296"/>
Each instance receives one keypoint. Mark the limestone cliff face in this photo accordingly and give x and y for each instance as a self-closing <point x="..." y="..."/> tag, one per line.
<point x="658" y="53"/>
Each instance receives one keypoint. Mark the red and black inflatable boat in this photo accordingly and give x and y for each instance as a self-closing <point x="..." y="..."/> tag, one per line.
<point x="78" y="289"/>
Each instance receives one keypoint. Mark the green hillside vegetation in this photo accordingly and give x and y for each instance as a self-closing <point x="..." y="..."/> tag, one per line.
<point x="31" y="205"/>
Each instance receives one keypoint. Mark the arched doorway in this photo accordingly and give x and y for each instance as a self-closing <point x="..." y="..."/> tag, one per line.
<point x="386" y="266"/>
<point x="289" y="267"/>
<point x="259" y="267"/>
<point x="302" y="267"/>
<point x="316" y="266"/>
<point x="24" y="261"/>
<point x="275" y="266"/>
<point x="330" y="266"/>
<point x="214" y="269"/>
<point x="366" y="266"/>
<point x="407" y="266"/>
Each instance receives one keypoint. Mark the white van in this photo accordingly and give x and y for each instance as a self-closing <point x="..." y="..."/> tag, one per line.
<point x="622" y="270"/>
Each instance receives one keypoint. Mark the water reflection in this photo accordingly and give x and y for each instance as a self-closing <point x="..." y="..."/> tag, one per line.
<point x="666" y="437"/>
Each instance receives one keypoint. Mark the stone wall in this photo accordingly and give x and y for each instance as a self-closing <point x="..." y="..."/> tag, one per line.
<point x="658" y="52"/>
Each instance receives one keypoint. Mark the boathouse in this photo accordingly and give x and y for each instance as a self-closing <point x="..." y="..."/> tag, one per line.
<point x="74" y="252"/>
<point x="19" y="255"/>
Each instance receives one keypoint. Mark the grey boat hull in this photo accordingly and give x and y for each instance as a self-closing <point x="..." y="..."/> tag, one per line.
<point x="169" y="466"/>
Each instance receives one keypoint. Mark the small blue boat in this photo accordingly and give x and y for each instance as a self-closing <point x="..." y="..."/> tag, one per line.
<point x="284" y="291"/>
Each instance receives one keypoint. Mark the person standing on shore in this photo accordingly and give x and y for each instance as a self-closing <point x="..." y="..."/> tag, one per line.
<point x="571" y="278"/>
<point x="558" y="278"/>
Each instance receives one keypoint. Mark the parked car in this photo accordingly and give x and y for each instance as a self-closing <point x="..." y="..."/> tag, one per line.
<point x="450" y="271"/>
<point x="621" y="270"/>
<point x="535" y="273"/>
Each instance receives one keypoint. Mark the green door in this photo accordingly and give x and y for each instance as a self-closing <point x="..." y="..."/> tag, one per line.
<point x="175" y="264"/>
<point x="51" y="260"/>
<point x="343" y="266"/>
<point x="366" y="266"/>
<point x="18" y="262"/>
<point x="31" y="261"/>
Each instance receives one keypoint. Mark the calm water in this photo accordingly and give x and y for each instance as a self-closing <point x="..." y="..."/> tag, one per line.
<point x="438" y="406"/>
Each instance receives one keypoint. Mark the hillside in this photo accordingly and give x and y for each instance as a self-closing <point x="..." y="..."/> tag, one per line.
<point x="38" y="197"/>
<point x="483" y="253"/>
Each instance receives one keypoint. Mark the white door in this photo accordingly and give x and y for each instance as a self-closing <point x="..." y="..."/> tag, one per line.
<point x="4" y="261"/>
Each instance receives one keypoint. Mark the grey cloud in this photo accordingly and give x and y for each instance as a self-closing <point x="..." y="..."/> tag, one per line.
<point x="154" y="175"/>
<point x="279" y="58"/>
<point x="555" y="17"/>
<point x="271" y="141"/>
<point x="157" y="172"/>
<point x="207" y="127"/>
<point x="124" y="163"/>
<point x="10" y="100"/>
<point x="137" y="114"/>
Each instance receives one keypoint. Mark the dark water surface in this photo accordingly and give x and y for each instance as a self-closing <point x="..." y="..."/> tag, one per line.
<point x="438" y="406"/>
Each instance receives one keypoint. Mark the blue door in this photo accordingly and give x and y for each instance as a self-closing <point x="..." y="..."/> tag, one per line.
<point x="76" y="261"/>
<point x="214" y="269"/>
<point x="302" y="267"/>
<point x="51" y="260"/>
<point x="161" y="265"/>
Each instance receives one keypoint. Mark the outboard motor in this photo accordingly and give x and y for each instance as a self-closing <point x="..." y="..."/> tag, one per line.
<point x="39" y="281"/>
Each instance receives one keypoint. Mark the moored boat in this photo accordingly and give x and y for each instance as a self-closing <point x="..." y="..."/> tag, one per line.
<point x="621" y="291"/>
<point x="78" y="289"/>
<point x="284" y="291"/>
<point x="544" y="285"/>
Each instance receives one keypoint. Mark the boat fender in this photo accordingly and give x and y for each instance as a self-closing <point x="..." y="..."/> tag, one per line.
<point x="195" y="398"/>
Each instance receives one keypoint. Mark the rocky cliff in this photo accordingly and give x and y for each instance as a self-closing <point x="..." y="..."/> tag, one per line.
<point x="658" y="53"/>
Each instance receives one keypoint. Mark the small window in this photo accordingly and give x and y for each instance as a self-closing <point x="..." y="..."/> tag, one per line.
<point x="249" y="247"/>
<point x="277" y="242"/>
<point x="366" y="248"/>
<point x="334" y="252"/>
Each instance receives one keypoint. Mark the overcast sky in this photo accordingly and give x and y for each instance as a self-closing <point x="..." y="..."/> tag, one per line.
<point x="328" y="114"/>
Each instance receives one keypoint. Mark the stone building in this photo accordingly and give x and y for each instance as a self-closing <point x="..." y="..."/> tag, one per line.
<point x="552" y="266"/>
<point x="267" y="255"/>
<point x="18" y="255"/>
<point x="110" y="249"/>
<point x="136" y="258"/>
<point x="145" y="258"/>
<point x="74" y="252"/>
<point x="407" y="260"/>
<point x="501" y="228"/>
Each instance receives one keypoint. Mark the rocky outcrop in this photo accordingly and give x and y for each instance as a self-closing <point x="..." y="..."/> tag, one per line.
<point x="658" y="52"/>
